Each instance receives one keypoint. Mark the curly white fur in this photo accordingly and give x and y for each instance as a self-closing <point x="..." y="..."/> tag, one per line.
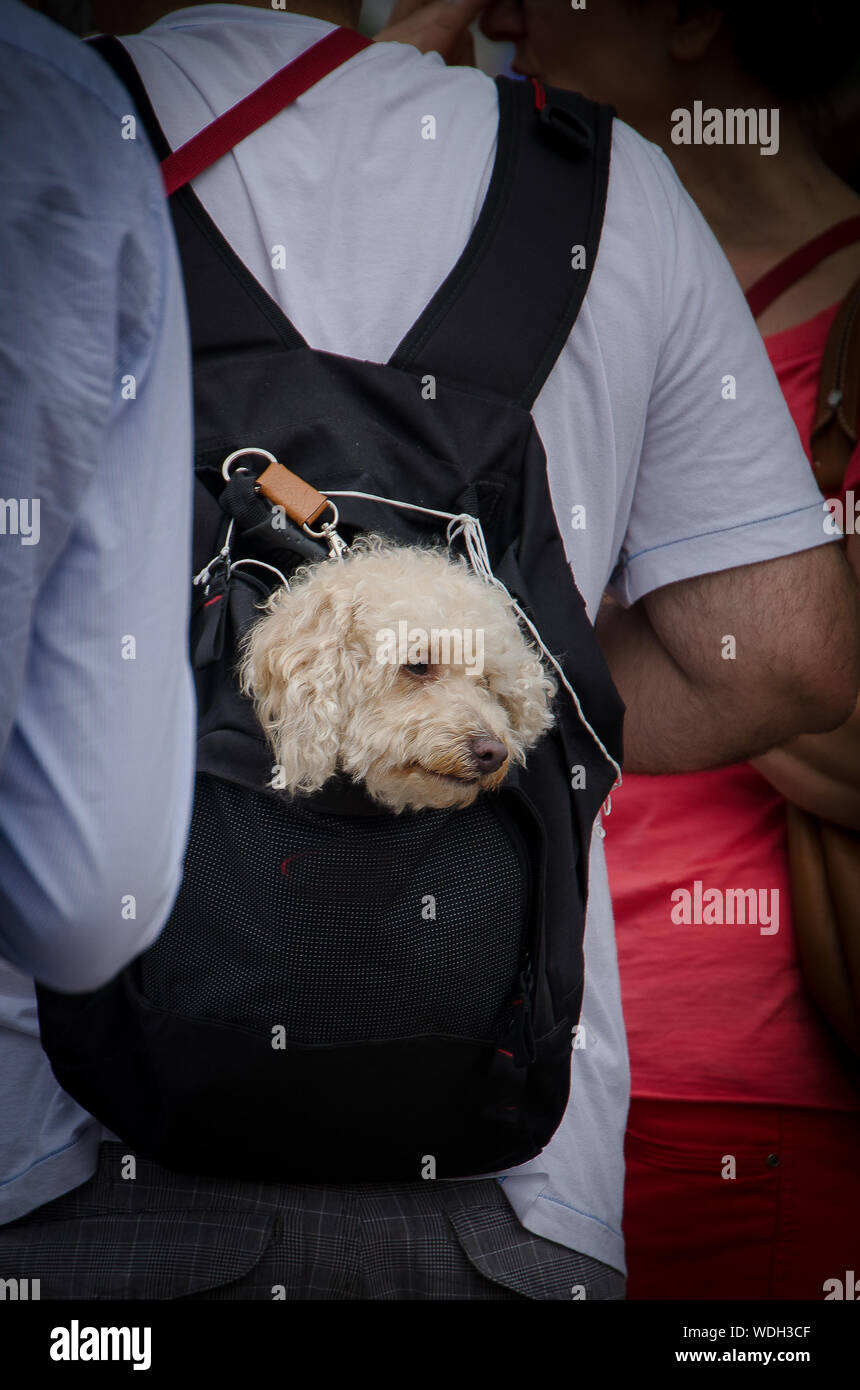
<point x="328" y="704"/>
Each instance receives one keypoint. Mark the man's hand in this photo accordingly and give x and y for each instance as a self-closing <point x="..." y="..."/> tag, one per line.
<point x="435" y="26"/>
<point x="820" y="773"/>
<point x="726" y="665"/>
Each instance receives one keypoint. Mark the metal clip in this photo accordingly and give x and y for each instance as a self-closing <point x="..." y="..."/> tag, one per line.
<point x="337" y="546"/>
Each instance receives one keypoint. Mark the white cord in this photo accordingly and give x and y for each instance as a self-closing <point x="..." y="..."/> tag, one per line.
<point x="469" y="527"/>
<point x="224" y="554"/>
<point x="237" y="565"/>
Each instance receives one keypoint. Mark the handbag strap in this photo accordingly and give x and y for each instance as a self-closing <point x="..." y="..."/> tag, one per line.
<point x="836" y="427"/>
<point x="254" y="110"/>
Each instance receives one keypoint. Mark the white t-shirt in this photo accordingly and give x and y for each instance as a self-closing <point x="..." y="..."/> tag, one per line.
<point x="678" y="475"/>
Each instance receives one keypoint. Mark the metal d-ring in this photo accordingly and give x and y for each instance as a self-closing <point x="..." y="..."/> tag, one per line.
<point x="327" y="532"/>
<point x="337" y="546"/>
<point x="327" y="526"/>
<point x="237" y="453"/>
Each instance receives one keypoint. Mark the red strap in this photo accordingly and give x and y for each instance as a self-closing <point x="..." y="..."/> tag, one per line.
<point x="540" y="93"/>
<point x="765" y="290"/>
<point x="216" y="139"/>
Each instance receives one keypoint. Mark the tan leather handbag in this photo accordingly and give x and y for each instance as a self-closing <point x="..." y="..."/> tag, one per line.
<point x="824" y="857"/>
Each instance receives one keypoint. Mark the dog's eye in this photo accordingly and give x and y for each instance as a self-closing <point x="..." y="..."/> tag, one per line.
<point x="417" y="668"/>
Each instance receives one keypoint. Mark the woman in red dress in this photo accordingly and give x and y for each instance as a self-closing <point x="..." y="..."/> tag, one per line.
<point x="743" y="1146"/>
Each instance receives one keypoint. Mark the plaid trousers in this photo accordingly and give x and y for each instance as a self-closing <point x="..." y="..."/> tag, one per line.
<point x="157" y="1234"/>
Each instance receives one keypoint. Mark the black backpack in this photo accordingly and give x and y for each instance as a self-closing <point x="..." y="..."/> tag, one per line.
<point x="304" y="1015"/>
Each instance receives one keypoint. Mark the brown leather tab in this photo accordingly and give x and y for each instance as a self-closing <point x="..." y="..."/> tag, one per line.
<point x="837" y="423"/>
<point x="301" y="502"/>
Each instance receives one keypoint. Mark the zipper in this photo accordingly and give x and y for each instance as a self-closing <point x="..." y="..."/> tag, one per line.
<point x="522" y="1004"/>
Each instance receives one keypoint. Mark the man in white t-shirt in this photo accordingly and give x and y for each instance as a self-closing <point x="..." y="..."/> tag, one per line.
<point x="702" y="520"/>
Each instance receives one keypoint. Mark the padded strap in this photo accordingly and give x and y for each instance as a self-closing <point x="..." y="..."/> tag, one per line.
<point x="500" y="319"/>
<point x="502" y="316"/>
<point x="227" y="307"/>
<point x="118" y="58"/>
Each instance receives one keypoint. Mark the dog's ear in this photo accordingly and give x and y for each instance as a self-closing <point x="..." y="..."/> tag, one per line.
<point x="293" y="666"/>
<point x="526" y="692"/>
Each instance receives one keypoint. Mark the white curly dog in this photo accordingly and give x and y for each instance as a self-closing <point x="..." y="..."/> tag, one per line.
<point x="401" y="668"/>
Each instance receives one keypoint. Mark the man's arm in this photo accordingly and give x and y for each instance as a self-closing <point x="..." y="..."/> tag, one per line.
<point x="821" y="772"/>
<point x="722" y="666"/>
<point x="96" y="701"/>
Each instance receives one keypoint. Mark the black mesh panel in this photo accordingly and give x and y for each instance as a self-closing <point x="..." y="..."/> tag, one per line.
<point x="323" y="923"/>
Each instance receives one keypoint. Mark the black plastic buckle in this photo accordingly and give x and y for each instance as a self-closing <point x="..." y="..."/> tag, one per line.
<point x="506" y="1081"/>
<point x="254" y="515"/>
<point x="565" y="132"/>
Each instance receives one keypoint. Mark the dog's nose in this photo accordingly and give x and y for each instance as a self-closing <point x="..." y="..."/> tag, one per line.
<point x="488" y="754"/>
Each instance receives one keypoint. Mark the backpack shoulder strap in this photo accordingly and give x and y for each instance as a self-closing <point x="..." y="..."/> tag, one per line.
<point x="227" y="307"/>
<point x="836" y="429"/>
<point x="503" y="315"/>
<point x="117" y="57"/>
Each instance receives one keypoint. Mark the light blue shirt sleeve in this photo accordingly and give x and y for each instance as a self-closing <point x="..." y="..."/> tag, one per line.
<point x="96" y="696"/>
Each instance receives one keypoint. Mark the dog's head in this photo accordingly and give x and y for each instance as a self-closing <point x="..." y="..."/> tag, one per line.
<point x="401" y="668"/>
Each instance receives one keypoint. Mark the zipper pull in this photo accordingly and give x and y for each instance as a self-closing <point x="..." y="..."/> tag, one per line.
<point x="524" y="1002"/>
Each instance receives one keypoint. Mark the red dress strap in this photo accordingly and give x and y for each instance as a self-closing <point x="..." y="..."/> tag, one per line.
<point x="771" y="285"/>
